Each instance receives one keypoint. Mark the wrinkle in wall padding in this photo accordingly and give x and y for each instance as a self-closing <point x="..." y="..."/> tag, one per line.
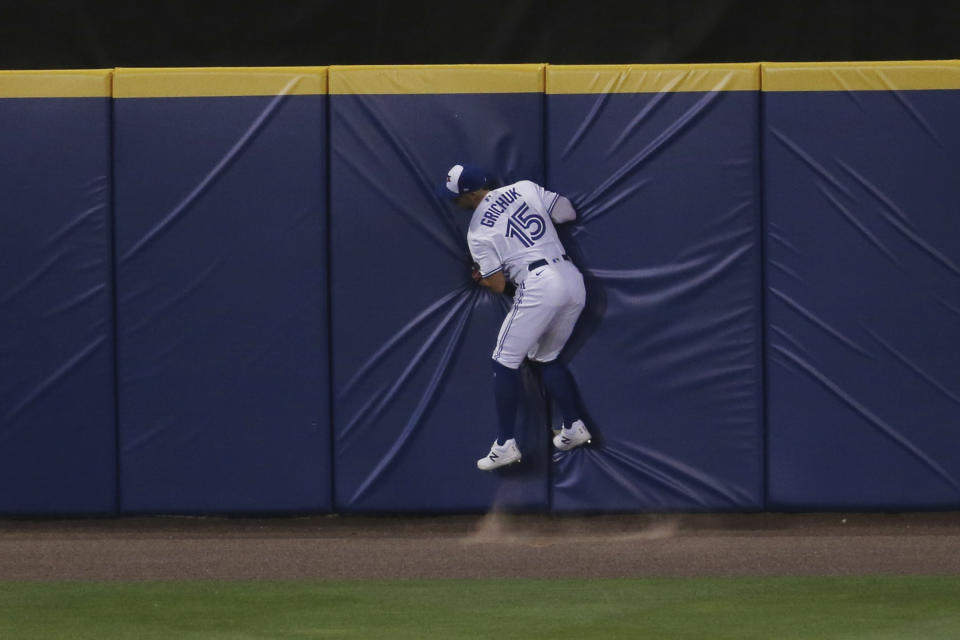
<point x="863" y="249"/>
<point x="221" y="290"/>
<point x="662" y="167"/>
<point x="57" y="429"/>
<point x="412" y="335"/>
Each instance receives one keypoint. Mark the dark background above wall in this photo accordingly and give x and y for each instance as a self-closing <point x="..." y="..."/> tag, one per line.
<point x="88" y="34"/>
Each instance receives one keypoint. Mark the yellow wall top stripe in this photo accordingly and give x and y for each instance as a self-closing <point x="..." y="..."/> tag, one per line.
<point x="861" y="76"/>
<point x="87" y="83"/>
<point x="436" y="79"/>
<point x="219" y="81"/>
<point x="652" y="78"/>
<point x="522" y="78"/>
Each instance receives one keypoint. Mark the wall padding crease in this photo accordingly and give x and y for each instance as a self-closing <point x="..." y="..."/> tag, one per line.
<point x="412" y="335"/>
<point x="57" y="428"/>
<point x="221" y="290"/>
<point x="662" y="165"/>
<point x="861" y="166"/>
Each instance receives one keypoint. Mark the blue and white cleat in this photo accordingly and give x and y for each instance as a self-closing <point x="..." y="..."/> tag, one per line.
<point x="500" y="456"/>
<point x="573" y="437"/>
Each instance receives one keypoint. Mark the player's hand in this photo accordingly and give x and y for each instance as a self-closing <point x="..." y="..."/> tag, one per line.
<point x="475" y="274"/>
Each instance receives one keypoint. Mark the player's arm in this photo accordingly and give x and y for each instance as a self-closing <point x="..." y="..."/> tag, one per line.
<point x="562" y="211"/>
<point x="558" y="207"/>
<point x="495" y="282"/>
<point x="488" y="266"/>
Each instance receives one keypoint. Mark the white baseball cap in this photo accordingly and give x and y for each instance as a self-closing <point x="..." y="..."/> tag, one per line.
<point x="462" y="178"/>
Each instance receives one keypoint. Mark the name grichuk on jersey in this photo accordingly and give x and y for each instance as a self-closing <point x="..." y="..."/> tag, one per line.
<point x="512" y="227"/>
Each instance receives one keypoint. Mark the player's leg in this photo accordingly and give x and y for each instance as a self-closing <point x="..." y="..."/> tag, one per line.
<point x="571" y="300"/>
<point x="562" y="388"/>
<point x="506" y="393"/>
<point x="556" y="375"/>
<point x="518" y="333"/>
<point x="506" y="365"/>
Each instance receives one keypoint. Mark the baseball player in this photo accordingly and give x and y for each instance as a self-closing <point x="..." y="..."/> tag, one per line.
<point x="512" y="238"/>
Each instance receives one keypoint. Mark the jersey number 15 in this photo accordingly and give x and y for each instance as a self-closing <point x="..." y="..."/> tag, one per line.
<point x="525" y="226"/>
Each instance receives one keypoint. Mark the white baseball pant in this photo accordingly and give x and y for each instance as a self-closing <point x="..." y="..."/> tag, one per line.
<point x="545" y="310"/>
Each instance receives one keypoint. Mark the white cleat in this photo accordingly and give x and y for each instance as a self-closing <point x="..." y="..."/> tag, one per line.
<point x="500" y="456"/>
<point x="573" y="437"/>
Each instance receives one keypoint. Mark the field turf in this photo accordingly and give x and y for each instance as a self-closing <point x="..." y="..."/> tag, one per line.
<point x="667" y="608"/>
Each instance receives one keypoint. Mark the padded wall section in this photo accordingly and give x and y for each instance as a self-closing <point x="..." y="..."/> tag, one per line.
<point x="221" y="278"/>
<point x="57" y="428"/>
<point x="863" y="297"/>
<point x="412" y="335"/>
<point x="661" y="164"/>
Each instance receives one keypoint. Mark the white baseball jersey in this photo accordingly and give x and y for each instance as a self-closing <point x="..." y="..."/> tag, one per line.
<point x="512" y="229"/>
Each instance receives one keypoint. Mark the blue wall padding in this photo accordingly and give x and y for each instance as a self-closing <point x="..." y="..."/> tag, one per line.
<point x="412" y="335"/>
<point x="667" y="353"/>
<point x="57" y="428"/>
<point x="863" y="298"/>
<point x="222" y="318"/>
<point x="186" y="328"/>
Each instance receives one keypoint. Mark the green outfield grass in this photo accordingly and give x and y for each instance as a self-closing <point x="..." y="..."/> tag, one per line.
<point x="714" y="608"/>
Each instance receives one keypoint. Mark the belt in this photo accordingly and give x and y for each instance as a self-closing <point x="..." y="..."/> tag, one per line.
<point x="542" y="262"/>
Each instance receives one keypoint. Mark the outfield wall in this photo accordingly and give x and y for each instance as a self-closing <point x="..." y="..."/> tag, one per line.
<point x="411" y="334"/>
<point x="662" y="164"/>
<point x="221" y="267"/>
<point x="234" y="290"/>
<point x="57" y="428"/>
<point x="862" y="185"/>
